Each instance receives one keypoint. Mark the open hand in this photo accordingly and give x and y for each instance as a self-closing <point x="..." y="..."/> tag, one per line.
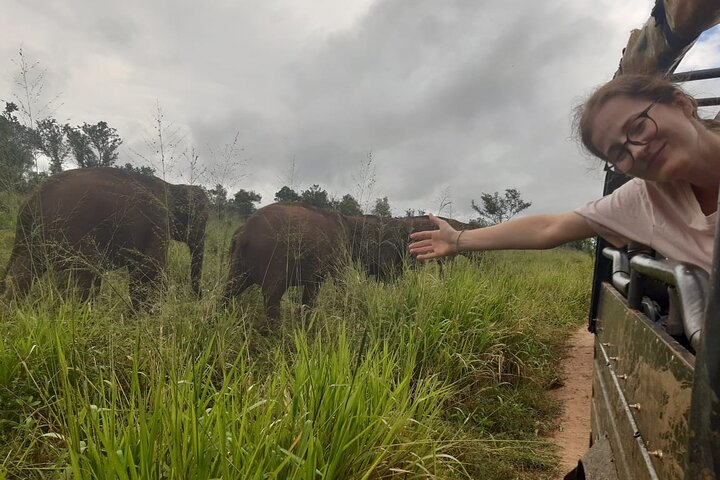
<point x="434" y="243"/>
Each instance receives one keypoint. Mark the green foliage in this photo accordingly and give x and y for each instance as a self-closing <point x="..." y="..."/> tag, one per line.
<point x="244" y="202"/>
<point x="144" y="170"/>
<point x="348" y="206"/>
<point x="497" y="209"/>
<point x="382" y="208"/>
<point x="9" y="206"/>
<point x="33" y="180"/>
<point x="287" y="194"/>
<point x="218" y="198"/>
<point x="438" y="375"/>
<point x="315" y="197"/>
<point x="318" y="197"/>
<point x="16" y="155"/>
<point x="93" y="145"/>
<point x="586" y="245"/>
<point x="410" y="212"/>
<point x="50" y="139"/>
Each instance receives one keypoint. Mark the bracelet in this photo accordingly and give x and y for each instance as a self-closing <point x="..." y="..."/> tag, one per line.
<point x="457" y="241"/>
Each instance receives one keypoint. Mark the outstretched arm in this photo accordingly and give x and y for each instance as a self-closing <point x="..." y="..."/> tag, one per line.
<point x="537" y="232"/>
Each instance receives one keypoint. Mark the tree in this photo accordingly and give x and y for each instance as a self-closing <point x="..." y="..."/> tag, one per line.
<point x="145" y="170"/>
<point x="382" y="208"/>
<point x="244" y="201"/>
<point x="218" y="198"/>
<point x="93" y="145"/>
<point x="16" y="156"/>
<point x="586" y="245"/>
<point x="348" y="206"/>
<point x="33" y="180"/>
<point x="496" y="209"/>
<point x="287" y="194"/>
<point x="410" y="212"/>
<point x="316" y="197"/>
<point x="49" y="137"/>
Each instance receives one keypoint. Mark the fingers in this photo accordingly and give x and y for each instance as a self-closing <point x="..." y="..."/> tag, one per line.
<point x="416" y="249"/>
<point x="426" y="234"/>
<point x="423" y="250"/>
<point x="427" y="256"/>
<point x="430" y="244"/>
<point x="420" y="244"/>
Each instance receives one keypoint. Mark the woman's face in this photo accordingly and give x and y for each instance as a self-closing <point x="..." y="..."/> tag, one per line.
<point x="645" y="139"/>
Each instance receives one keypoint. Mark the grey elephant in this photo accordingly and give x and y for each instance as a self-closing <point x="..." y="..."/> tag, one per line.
<point x="89" y="220"/>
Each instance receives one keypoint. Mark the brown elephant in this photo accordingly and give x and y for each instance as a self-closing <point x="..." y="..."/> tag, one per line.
<point x="283" y="245"/>
<point x="383" y="242"/>
<point x="422" y="223"/>
<point x="378" y="244"/>
<point x="291" y="244"/>
<point x="85" y="221"/>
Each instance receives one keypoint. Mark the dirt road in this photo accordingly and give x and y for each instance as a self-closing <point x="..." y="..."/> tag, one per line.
<point x="574" y="433"/>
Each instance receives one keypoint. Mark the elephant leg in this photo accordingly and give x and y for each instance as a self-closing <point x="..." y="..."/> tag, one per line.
<point x="23" y="271"/>
<point x="145" y="270"/>
<point x="272" y="295"/>
<point x="310" y="291"/>
<point x="234" y="287"/>
<point x="88" y="283"/>
<point x="144" y="281"/>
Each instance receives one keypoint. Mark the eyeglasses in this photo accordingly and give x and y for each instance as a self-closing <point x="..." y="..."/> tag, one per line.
<point x="641" y="131"/>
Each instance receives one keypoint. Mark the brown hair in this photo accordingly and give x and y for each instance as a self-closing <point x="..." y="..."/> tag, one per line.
<point x="648" y="87"/>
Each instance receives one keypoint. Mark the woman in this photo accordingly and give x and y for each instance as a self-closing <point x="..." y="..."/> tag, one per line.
<point x="649" y="129"/>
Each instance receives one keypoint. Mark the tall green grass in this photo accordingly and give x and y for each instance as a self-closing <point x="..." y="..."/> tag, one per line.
<point x="442" y="374"/>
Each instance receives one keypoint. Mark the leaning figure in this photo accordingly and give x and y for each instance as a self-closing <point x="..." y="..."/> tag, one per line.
<point x="649" y="129"/>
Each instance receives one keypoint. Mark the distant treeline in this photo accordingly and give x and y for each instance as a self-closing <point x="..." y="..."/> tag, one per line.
<point x="96" y="145"/>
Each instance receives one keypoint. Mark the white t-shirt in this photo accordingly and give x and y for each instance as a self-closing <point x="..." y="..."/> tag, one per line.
<point x="664" y="216"/>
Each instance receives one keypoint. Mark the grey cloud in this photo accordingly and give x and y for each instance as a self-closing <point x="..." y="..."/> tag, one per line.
<point x="456" y="96"/>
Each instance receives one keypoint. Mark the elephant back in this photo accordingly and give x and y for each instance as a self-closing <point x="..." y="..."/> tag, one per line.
<point x="95" y="203"/>
<point x="288" y="242"/>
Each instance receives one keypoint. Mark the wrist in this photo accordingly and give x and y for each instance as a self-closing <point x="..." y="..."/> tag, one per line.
<point x="457" y="241"/>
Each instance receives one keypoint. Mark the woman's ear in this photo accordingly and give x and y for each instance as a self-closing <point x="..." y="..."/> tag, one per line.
<point x="685" y="104"/>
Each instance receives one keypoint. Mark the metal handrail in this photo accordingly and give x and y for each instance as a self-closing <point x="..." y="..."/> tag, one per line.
<point x="704" y="74"/>
<point x="691" y="283"/>
<point x="620" y="276"/>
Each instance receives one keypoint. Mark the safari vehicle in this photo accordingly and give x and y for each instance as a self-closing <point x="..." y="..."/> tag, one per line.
<point x="655" y="410"/>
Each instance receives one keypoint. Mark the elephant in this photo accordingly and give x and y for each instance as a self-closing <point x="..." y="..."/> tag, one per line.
<point x="88" y="220"/>
<point x="422" y="223"/>
<point x="283" y="245"/>
<point x="382" y="242"/>
<point x="291" y="244"/>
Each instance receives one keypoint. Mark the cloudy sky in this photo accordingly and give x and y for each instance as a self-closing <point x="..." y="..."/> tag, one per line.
<point x="422" y="101"/>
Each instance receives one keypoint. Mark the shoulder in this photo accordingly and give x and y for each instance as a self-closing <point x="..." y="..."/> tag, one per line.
<point x="632" y="188"/>
<point x="631" y="195"/>
<point x="627" y="208"/>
